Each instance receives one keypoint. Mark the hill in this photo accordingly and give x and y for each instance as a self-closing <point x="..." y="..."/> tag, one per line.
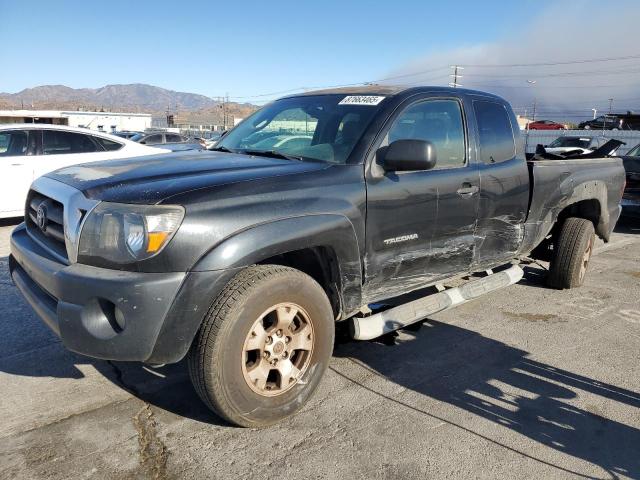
<point x="136" y="97"/>
<point x="132" y="96"/>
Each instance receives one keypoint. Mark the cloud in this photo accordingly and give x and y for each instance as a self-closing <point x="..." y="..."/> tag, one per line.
<point x="564" y="32"/>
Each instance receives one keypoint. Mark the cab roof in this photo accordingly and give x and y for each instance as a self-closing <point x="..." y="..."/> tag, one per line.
<point x="392" y="90"/>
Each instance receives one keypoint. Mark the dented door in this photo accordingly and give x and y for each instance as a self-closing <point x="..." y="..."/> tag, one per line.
<point x="420" y="224"/>
<point x="504" y="185"/>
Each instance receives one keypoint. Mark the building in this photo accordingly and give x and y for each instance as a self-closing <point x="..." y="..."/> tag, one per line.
<point x="100" y="121"/>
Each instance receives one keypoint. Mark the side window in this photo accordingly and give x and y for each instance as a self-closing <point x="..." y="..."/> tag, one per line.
<point x="152" y="139"/>
<point x="437" y="121"/>
<point x="13" y="143"/>
<point x="173" y="137"/>
<point x="56" y="142"/>
<point x="496" y="134"/>
<point x="108" y="145"/>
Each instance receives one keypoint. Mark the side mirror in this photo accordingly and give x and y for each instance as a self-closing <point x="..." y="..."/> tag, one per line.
<point x="403" y="155"/>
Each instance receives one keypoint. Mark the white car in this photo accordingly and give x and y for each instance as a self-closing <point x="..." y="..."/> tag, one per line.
<point x="578" y="144"/>
<point x="28" y="151"/>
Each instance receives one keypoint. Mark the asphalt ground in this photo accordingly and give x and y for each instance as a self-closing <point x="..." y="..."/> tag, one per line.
<point x="526" y="382"/>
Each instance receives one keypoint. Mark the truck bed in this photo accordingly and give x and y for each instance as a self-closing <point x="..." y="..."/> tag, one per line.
<point x="592" y="185"/>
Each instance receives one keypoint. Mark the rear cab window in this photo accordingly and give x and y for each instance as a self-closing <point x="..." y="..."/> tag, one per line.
<point x="497" y="142"/>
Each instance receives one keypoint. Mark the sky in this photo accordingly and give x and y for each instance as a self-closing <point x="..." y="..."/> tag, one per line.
<point x="254" y="50"/>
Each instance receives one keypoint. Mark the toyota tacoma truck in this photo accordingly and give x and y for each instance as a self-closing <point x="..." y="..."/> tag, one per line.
<point x="319" y="208"/>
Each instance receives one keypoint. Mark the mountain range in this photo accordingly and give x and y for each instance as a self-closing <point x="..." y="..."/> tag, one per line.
<point x="136" y="97"/>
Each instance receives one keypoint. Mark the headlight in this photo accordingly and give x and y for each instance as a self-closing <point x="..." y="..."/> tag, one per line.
<point x="123" y="233"/>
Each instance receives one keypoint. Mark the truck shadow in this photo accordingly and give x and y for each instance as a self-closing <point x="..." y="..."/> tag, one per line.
<point x="628" y="225"/>
<point x="28" y="348"/>
<point x="501" y="384"/>
<point x="10" y="222"/>
<point x="460" y="367"/>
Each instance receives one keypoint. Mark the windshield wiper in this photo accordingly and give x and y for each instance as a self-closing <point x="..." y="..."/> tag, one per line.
<point x="221" y="149"/>
<point x="272" y="154"/>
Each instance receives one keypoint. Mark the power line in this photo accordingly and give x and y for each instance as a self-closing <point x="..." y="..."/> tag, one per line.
<point x="504" y="85"/>
<point x="544" y="64"/>
<point x="441" y="68"/>
<point x="560" y="74"/>
<point x="293" y="90"/>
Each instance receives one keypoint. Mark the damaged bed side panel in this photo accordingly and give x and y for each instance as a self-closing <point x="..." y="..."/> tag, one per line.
<point x="589" y="188"/>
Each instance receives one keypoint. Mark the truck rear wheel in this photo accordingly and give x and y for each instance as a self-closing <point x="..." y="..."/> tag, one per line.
<point x="572" y="252"/>
<point x="263" y="346"/>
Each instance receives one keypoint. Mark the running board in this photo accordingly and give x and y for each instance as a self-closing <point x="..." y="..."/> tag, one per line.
<point x="366" y="328"/>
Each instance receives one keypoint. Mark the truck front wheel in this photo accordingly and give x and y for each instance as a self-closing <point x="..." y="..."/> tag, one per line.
<point x="572" y="252"/>
<point x="263" y="346"/>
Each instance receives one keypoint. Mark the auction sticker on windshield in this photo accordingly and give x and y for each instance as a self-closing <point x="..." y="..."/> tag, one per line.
<point x="361" y="100"/>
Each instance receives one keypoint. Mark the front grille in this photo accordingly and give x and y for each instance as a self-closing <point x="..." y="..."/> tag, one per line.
<point x="50" y="232"/>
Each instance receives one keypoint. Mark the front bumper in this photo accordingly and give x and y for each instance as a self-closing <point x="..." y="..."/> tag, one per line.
<point x="110" y="314"/>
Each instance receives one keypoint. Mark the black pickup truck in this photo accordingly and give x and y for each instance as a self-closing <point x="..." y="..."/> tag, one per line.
<point x="316" y="209"/>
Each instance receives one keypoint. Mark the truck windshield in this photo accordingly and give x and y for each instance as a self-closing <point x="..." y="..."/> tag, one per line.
<point x="314" y="127"/>
<point x="574" y="142"/>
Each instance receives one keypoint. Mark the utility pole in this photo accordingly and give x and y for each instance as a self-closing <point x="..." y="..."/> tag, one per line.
<point x="535" y="100"/>
<point x="595" y="111"/>
<point x="226" y="116"/>
<point x="223" y="105"/>
<point x="604" y="124"/>
<point x="533" y="116"/>
<point x="455" y="76"/>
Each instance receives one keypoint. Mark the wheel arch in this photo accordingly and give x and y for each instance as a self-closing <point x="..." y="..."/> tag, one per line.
<point x="587" y="200"/>
<point x="324" y="246"/>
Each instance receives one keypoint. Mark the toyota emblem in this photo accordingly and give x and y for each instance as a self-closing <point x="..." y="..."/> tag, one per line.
<point x="41" y="217"/>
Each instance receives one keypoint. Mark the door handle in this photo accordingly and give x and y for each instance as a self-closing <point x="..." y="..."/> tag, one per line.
<point x="467" y="190"/>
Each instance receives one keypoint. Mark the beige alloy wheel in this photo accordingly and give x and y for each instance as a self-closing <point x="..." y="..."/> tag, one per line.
<point x="263" y="346"/>
<point x="278" y="349"/>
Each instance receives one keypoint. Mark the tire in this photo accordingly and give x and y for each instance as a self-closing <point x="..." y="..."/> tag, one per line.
<point x="572" y="251"/>
<point x="239" y="382"/>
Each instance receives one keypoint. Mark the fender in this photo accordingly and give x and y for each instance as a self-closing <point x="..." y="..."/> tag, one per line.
<point x="591" y="190"/>
<point x="266" y="240"/>
<point x="572" y="194"/>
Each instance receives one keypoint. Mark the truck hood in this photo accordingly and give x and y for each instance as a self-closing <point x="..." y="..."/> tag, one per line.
<point x="152" y="179"/>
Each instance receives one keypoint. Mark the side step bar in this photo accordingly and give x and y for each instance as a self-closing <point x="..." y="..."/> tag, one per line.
<point x="366" y="328"/>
